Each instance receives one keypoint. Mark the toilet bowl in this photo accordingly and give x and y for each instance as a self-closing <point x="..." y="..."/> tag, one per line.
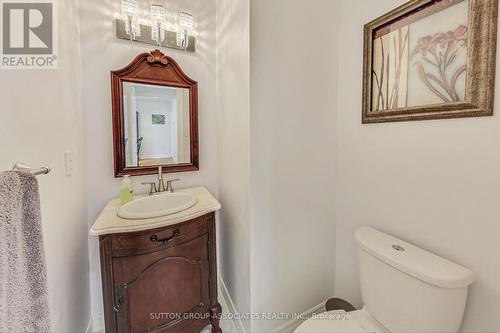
<point x="404" y="289"/>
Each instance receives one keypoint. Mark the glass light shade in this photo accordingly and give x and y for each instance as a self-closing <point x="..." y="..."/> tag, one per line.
<point x="186" y="27"/>
<point x="186" y="22"/>
<point x="129" y="16"/>
<point x="158" y="25"/>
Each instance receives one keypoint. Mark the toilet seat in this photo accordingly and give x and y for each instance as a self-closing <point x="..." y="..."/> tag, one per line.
<point x="340" y="321"/>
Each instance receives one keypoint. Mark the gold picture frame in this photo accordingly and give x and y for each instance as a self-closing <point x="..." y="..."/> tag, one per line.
<point x="432" y="74"/>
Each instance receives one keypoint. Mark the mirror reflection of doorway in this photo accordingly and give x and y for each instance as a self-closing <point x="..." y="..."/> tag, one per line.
<point x="157" y="121"/>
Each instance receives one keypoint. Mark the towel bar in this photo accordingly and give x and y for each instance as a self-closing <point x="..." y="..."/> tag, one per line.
<point x="36" y="172"/>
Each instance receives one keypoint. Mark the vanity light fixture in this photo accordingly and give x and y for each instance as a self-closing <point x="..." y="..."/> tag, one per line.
<point x="158" y="25"/>
<point x="131" y="19"/>
<point x="180" y="37"/>
<point x="186" y="28"/>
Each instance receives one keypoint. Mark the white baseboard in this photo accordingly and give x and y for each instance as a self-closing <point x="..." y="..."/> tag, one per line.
<point x="291" y="325"/>
<point x="288" y="326"/>
<point x="237" y="323"/>
<point x="89" y="326"/>
<point x="96" y="324"/>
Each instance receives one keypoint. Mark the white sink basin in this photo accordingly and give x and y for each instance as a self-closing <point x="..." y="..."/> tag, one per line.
<point x="157" y="206"/>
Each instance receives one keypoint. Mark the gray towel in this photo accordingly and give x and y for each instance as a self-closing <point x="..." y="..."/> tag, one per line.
<point x="23" y="281"/>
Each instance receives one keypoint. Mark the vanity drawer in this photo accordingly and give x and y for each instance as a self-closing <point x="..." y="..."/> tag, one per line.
<point x="161" y="237"/>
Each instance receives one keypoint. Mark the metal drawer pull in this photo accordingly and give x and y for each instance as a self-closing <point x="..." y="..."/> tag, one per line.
<point x="155" y="239"/>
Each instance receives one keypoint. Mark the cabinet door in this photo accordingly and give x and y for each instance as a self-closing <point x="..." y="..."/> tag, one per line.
<point x="163" y="291"/>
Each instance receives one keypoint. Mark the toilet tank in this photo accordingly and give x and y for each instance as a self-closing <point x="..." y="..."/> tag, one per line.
<point x="408" y="289"/>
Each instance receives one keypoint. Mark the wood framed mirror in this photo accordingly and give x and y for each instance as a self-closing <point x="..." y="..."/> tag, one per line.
<point x="155" y="117"/>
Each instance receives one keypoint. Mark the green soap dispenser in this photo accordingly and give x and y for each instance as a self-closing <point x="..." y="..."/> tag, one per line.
<point x="126" y="191"/>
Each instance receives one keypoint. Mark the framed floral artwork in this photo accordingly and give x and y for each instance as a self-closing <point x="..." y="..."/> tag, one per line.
<point x="430" y="59"/>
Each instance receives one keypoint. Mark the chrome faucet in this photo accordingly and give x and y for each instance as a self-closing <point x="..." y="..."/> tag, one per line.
<point x="155" y="189"/>
<point x="161" y="182"/>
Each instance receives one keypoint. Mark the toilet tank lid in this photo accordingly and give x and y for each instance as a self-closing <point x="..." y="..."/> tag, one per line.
<point x="413" y="260"/>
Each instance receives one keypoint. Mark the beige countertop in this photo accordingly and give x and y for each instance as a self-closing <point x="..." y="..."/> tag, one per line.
<point x="108" y="221"/>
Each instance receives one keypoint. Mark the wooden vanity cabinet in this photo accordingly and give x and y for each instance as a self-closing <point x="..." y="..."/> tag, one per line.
<point x="162" y="280"/>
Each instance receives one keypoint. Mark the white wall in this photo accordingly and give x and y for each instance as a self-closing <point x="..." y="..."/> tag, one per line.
<point x="101" y="53"/>
<point x="42" y="111"/>
<point x="157" y="142"/>
<point x="433" y="183"/>
<point x="293" y="109"/>
<point x="233" y="138"/>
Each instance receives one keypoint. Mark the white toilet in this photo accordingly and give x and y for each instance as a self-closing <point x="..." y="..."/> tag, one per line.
<point x="404" y="289"/>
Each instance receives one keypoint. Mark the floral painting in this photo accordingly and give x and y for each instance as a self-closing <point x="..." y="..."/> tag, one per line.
<point x="439" y="53"/>
<point x="430" y="59"/>
<point x="422" y="58"/>
<point x="390" y="65"/>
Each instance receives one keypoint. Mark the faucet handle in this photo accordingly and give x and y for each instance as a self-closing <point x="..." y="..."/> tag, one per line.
<point x="170" y="188"/>
<point x="152" y="188"/>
